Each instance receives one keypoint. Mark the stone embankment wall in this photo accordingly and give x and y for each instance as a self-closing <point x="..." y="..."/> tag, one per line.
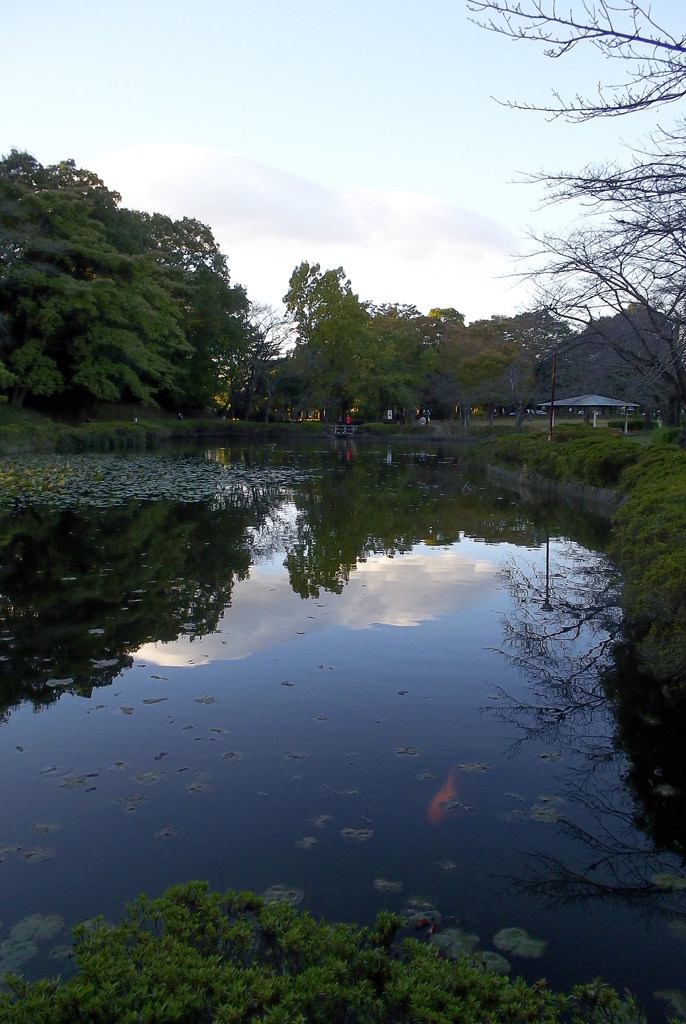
<point x="600" y="500"/>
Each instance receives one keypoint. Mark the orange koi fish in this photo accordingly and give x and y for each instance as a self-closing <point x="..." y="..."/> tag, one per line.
<point x="447" y="792"/>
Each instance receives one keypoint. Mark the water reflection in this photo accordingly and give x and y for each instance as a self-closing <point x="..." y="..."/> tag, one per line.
<point x="627" y="794"/>
<point x="285" y="656"/>
<point x="82" y="588"/>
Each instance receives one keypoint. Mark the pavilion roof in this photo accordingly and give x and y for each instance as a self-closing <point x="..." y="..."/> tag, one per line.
<point x="595" y="401"/>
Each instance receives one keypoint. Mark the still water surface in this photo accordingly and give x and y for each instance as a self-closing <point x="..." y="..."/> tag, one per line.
<point x="357" y="674"/>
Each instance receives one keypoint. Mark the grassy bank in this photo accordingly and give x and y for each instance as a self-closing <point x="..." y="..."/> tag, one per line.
<point x="200" y="957"/>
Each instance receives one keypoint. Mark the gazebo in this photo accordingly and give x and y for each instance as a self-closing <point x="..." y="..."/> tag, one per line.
<point x="594" y="404"/>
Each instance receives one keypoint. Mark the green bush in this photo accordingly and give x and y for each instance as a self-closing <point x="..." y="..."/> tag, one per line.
<point x="636" y="423"/>
<point x="195" y="956"/>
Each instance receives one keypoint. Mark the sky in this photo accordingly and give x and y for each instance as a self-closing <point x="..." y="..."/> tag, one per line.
<point x="366" y="135"/>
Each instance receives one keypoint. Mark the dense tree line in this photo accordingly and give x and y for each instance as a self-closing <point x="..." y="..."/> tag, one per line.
<point x="101" y="304"/>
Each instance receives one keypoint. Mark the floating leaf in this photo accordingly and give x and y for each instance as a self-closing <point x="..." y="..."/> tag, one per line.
<point x="127" y="709"/>
<point x="475" y="766"/>
<point x="519" y="942"/>
<point x="40" y="826"/>
<point x="454" y="941"/>
<point x="132" y="802"/>
<point x="296" y="755"/>
<point x="149" y="778"/>
<point x="38" y="853"/>
<point x="407" y="751"/>
<point x="154" y="700"/>
<point x="361" y="835"/>
<point x="384" y="885"/>
<point x="15" y="953"/>
<point x="62" y="952"/>
<point x="166" y="832"/>
<point x="548" y="755"/>
<point x="232" y="755"/>
<point x="77" y="781"/>
<point x="493" y="961"/>
<point x="545" y="813"/>
<point x="306" y="843"/>
<point x="37" y="927"/>
<point x="207" y="699"/>
<point x="283" y="894"/>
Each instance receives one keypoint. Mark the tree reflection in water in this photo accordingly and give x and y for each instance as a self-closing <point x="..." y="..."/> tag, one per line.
<point x="586" y="697"/>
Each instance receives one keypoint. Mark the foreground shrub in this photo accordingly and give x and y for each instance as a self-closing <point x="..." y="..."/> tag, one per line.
<point x="197" y="956"/>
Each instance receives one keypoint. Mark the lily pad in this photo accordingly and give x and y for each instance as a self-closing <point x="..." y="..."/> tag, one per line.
<point x="384" y="885"/>
<point x="14" y="953"/>
<point x="132" y="801"/>
<point x="62" y="952"/>
<point x="520" y="943"/>
<point x="361" y="835"/>
<point x="454" y="941"/>
<point x="166" y="832"/>
<point x="475" y="766"/>
<point x="37" y="927"/>
<point x="196" y="786"/>
<point x="38" y="853"/>
<point x="306" y="843"/>
<point x="149" y="778"/>
<point x="406" y="751"/>
<point x="77" y="781"/>
<point x="45" y="826"/>
<point x="493" y="961"/>
<point x="283" y="894"/>
<point x="207" y="699"/>
<point x="545" y="813"/>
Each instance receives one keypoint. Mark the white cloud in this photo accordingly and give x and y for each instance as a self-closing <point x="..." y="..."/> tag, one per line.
<point x="402" y="591"/>
<point x="395" y="246"/>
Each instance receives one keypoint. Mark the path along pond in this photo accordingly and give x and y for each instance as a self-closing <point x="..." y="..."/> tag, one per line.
<point x="354" y="678"/>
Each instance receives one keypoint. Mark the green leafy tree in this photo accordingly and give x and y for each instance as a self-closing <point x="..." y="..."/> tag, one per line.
<point x="401" y="346"/>
<point x="332" y="328"/>
<point x="214" y="312"/>
<point x="82" y="319"/>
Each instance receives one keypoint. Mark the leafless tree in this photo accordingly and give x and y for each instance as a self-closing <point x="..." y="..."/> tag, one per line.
<point x="622" y="30"/>
<point x="270" y="332"/>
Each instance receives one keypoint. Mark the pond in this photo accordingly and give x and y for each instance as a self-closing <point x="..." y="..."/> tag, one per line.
<point x="356" y="678"/>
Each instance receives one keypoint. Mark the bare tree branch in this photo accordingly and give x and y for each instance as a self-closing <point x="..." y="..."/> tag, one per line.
<point x="655" y="59"/>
